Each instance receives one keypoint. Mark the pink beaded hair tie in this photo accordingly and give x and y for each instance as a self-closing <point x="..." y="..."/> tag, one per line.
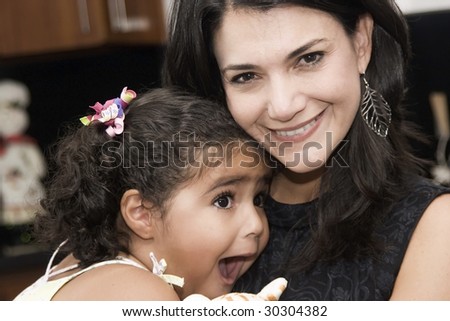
<point x="111" y="113"/>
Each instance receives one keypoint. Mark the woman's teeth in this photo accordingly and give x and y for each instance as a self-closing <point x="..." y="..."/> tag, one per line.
<point x="298" y="131"/>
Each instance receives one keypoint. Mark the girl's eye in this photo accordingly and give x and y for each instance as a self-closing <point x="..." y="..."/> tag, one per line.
<point x="310" y="59"/>
<point x="259" y="200"/>
<point x="243" y="78"/>
<point x="223" y="202"/>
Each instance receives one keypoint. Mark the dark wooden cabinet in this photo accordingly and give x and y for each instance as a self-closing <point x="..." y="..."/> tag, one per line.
<point x="136" y="21"/>
<point x="48" y="26"/>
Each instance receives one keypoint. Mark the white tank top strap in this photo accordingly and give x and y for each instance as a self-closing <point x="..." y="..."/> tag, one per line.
<point x="49" y="269"/>
<point x="159" y="267"/>
<point x="119" y="260"/>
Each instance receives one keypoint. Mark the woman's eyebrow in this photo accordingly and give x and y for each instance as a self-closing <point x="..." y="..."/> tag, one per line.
<point x="238" y="67"/>
<point x="304" y="48"/>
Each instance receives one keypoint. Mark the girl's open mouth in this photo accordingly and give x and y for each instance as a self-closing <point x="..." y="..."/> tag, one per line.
<point x="230" y="268"/>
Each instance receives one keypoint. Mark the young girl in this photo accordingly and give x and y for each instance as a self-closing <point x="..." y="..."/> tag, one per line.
<point x="174" y="181"/>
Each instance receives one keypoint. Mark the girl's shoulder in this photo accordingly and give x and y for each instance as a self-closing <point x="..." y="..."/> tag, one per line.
<point x="117" y="282"/>
<point x="131" y="283"/>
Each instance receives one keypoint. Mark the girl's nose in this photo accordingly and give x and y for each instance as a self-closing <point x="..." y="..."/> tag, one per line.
<point x="254" y="222"/>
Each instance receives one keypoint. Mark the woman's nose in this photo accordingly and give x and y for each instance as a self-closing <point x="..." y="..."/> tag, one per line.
<point x="285" y="98"/>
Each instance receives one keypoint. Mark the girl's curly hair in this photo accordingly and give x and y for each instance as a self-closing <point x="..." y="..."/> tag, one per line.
<point x="93" y="170"/>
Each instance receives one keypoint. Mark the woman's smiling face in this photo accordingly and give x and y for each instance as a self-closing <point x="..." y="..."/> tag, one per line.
<point x="292" y="79"/>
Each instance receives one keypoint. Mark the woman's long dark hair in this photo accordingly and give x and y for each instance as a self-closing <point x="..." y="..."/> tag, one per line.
<point x="352" y="199"/>
<point x="92" y="170"/>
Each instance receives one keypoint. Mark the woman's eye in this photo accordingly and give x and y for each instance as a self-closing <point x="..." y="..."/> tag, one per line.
<point x="223" y="202"/>
<point x="310" y="59"/>
<point x="259" y="200"/>
<point x="243" y="78"/>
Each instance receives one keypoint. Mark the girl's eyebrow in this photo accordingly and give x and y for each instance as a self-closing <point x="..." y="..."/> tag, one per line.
<point x="236" y="180"/>
<point x="290" y="56"/>
<point x="232" y="180"/>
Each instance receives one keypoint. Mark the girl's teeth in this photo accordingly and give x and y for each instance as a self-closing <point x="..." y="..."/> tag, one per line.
<point x="298" y="131"/>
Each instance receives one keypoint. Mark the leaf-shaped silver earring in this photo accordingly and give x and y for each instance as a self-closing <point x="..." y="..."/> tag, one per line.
<point x="375" y="110"/>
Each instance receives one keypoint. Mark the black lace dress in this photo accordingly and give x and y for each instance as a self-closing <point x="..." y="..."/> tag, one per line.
<point x="362" y="279"/>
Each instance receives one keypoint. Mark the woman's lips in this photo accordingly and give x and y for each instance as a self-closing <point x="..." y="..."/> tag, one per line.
<point x="304" y="130"/>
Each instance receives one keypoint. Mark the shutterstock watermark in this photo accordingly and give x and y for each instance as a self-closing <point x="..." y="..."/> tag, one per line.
<point x="187" y="151"/>
<point x="306" y="155"/>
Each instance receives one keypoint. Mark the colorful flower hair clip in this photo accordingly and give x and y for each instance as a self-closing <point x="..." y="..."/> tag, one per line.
<point x="111" y="113"/>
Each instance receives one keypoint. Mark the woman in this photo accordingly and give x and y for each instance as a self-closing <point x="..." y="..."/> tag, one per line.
<point x="320" y="84"/>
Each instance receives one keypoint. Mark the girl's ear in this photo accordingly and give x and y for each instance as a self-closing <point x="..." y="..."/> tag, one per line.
<point x="363" y="41"/>
<point x="138" y="217"/>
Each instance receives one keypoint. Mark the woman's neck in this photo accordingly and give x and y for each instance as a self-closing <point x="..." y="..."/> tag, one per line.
<point x="293" y="188"/>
